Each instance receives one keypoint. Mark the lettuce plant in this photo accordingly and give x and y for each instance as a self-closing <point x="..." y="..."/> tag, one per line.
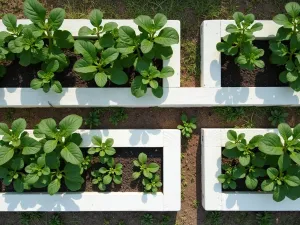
<point x="152" y="185"/>
<point x="239" y="42"/>
<point x="286" y="45"/>
<point x="103" y="149"/>
<point x="273" y="157"/>
<point x="188" y="126"/>
<point x="46" y="79"/>
<point x="98" y="180"/>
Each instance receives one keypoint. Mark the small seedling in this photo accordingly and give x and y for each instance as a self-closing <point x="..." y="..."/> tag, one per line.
<point x="188" y="126"/>
<point x="93" y="120"/>
<point x="147" y="170"/>
<point x="9" y="115"/>
<point x="264" y="218"/>
<point x="165" y="220"/>
<point x="213" y="218"/>
<point x="86" y="164"/>
<point x="122" y="222"/>
<point x="98" y="180"/>
<point x="113" y="173"/>
<point x="147" y="219"/>
<point x="106" y="222"/>
<point x="230" y="113"/>
<point x="196" y="204"/>
<point x="152" y="185"/>
<point x="118" y="115"/>
<point x="55" y="220"/>
<point x="103" y="149"/>
<point x="28" y="218"/>
<point x="278" y="116"/>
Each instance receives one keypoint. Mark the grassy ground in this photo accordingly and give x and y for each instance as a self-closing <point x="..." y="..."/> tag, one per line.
<point x="191" y="13"/>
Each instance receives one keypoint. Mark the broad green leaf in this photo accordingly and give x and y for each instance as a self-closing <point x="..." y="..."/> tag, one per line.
<point x="86" y="49"/>
<point x="107" y="40"/>
<point x="18" y="185"/>
<point x="56" y="86"/>
<point x="142" y="64"/>
<point x="249" y="18"/>
<point x="153" y="167"/>
<point x="107" y="179"/>
<point x="52" y="66"/>
<point x="109" y="26"/>
<point x="279" y="193"/>
<point x="127" y="35"/>
<point x="35" y="11"/>
<point x="18" y="126"/>
<point x="56" y="18"/>
<point x="30" y="146"/>
<point x="142" y="158"/>
<point x="53" y="160"/>
<point x="85" y="31"/>
<point x="160" y="21"/>
<point x="72" y="154"/>
<point x="271" y="144"/>
<point x="293" y="9"/>
<point x="138" y="89"/>
<point x="284" y="162"/>
<point x="231" y="153"/>
<point x="167" y="72"/>
<point x="296" y="132"/>
<point x="25" y="58"/>
<point x="136" y="175"/>
<point x="75" y="138"/>
<point x="145" y="22"/>
<point x="70" y="124"/>
<point x="31" y="178"/>
<point x="285" y="131"/>
<point x="4" y="130"/>
<point x="167" y="37"/>
<point x="96" y="140"/>
<point x="292" y="181"/>
<point x="244" y="160"/>
<point x="10" y="21"/>
<point x="146" y="46"/>
<point x="272" y="173"/>
<point x="72" y="170"/>
<point x="96" y="17"/>
<point x="101" y="79"/>
<point x="63" y="39"/>
<point x="282" y="19"/>
<point x="251" y="182"/>
<point x="74" y="185"/>
<point x="256" y="27"/>
<point x="50" y="145"/>
<point x="163" y="52"/>
<point x="48" y="127"/>
<point x="117" y="76"/>
<point x="267" y="185"/>
<point x="231" y="28"/>
<point x="232" y="135"/>
<point x="17" y="163"/>
<point x="6" y="153"/>
<point x="109" y="142"/>
<point x="54" y="187"/>
<point x="153" y="84"/>
<point x="109" y="55"/>
<point x="238" y="17"/>
<point x="295" y="157"/>
<point x="86" y="69"/>
<point x="158" y="92"/>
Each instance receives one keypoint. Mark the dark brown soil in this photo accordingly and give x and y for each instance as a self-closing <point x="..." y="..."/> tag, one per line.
<point x="125" y="156"/>
<point x="233" y="76"/>
<point x="19" y="76"/>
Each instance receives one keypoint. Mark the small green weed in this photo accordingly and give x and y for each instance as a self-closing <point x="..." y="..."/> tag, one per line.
<point x="165" y="220"/>
<point x="93" y="120"/>
<point x="213" y="218"/>
<point x="278" y="116"/>
<point x="118" y="115"/>
<point x="196" y="204"/>
<point x="230" y="113"/>
<point x="28" y="218"/>
<point x="147" y="219"/>
<point x="264" y="218"/>
<point x="188" y="126"/>
<point x="55" y="220"/>
<point x="9" y="115"/>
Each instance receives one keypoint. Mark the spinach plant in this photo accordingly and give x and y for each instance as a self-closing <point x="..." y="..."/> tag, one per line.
<point x="273" y="157"/>
<point x="147" y="170"/>
<point x="152" y="185"/>
<point x="46" y="79"/>
<point x="286" y="45"/>
<point x="239" y="42"/>
<point x="188" y="126"/>
<point x="103" y="149"/>
<point x="98" y="180"/>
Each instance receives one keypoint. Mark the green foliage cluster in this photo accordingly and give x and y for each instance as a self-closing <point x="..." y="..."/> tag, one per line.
<point x="273" y="158"/>
<point x="148" y="173"/>
<point x="187" y="126"/>
<point x="286" y="45"/>
<point x="239" y="42"/>
<point x="106" y="59"/>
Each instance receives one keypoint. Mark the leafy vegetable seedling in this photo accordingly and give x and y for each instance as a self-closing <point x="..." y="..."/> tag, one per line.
<point x="277" y="116"/>
<point x="147" y="170"/>
<point x="113" y="173"/>
<point x="104" y="149"/>
<point x="46" y="80"/>
<point x="239" y="42"/>
<point x="188" y="126"/>
<point x="286" y="45"/>
<point x="93" y="120"/>
<point x="152" y="185"/>
<point x="98" y="180"/>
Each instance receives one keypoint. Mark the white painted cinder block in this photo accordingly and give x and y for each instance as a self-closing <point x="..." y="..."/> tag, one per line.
<point x="213" y="198"/>
<point x="168" y="200"/>
<point x="73" y="25"/>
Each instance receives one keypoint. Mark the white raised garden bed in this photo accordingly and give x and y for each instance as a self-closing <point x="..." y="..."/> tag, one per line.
<point x="168" y="200"/>
<point x="213" y="198"/>
<point x="87" y="97"/>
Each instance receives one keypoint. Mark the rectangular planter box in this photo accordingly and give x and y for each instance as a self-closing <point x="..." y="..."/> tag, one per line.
<point x="212" y="32"/>
<point x="27" y="97"/>
<point x="213" y="198"/>
<point x="168" y="200"/>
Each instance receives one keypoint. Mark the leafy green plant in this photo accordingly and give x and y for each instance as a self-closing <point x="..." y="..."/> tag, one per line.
<point x="230" y="113"/>
<point x="28" y="217"/>
<point x="98" y="180"/>
<point x="286" y="45"/>
<point x="112" y="173"/>
<point x="264" y="218"/>
<point x="55" y="220"/>
<point x="93" y="120"/>
<point x="103" y="149"/>
<point x="152" y="185"/>
<point x="239" y="42"/>
<point x="147" y="219"/>
<point x="147" y="170"/>
<point x="165" y="220"/>
<point x="118" y="115"/>
<point x="86" y="164"/>
<point x="46" y="79"/>
<point x="277" y="116"/>
<point x="274" y="158"/>
<point x="188" y="126"/>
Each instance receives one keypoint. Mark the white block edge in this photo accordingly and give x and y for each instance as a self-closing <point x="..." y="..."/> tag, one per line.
<point x="211" y="33"/>
<point x="73" y="25"/>
<point x="213" y="199"/>
<point x="168" y="200"/>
